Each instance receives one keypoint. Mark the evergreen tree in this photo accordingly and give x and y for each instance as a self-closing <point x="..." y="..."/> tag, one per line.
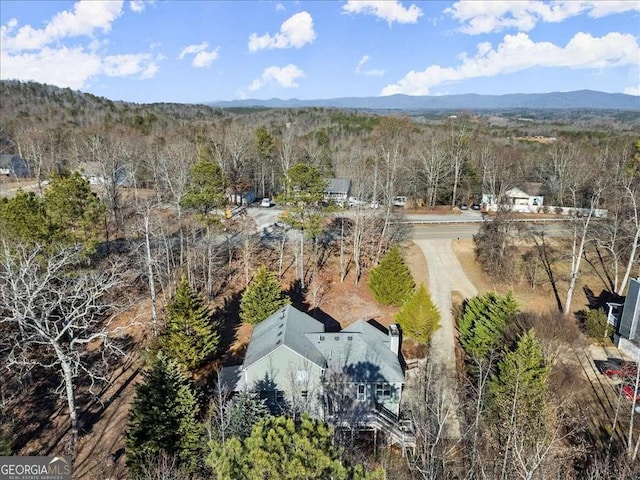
<point x="517" y="391"/>
<point x="162" y="420"/>
<point x="190" y="338"/>
<point x="419" y="317"/>
<point x="241" y="413"/>
<point x="74" y="211"/>
<point x="483" y="322"/>
<point x="206" y="189"/>
<point x="262" y="297"/>
<point x="282" y="448"/>
<point x="391" y="282"/>
<point x="24" y="218"/>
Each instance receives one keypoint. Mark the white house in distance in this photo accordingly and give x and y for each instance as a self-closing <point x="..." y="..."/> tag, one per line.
<point x="516" y="200"/>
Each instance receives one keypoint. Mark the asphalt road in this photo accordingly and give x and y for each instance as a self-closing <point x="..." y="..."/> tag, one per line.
<point x="425" y="231"/>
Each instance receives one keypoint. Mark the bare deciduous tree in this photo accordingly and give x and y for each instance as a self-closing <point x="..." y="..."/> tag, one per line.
<point x="58" y="315"/>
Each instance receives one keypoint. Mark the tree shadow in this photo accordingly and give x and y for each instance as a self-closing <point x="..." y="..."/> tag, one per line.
<point x="601" y="300"/>
<point x="297" y="294"/>
<point x="227" y="320"/>
<point x="274" y="398"/>
<point x="331" y="325"/>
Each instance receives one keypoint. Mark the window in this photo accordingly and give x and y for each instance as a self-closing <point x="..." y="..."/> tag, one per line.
<point x="279" y="396"/>
<point x="361" y="392"/>
<point x="304" y="393"/>
<point x="383" y="390"/>
<point x="379" y="390"/>
<point x="386" y="392"/>
<point x="302" y="376"/>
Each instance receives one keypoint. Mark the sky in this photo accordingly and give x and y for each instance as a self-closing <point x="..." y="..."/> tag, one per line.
<point x="202" y="51"/>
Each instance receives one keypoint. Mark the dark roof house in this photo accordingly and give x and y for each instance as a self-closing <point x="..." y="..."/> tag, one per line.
<point x="295" y="364"/>
<point x="14" y="166"/>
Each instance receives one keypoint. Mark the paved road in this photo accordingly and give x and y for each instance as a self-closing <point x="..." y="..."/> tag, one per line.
<point x="468" y="230"/>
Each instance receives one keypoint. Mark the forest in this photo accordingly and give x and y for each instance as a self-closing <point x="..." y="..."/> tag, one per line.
<point x="124" y="287"/>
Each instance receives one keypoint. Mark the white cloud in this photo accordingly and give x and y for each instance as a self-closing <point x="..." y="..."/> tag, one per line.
<point x="86" y="17"/>
<point x="130" y="64"/>
<point x="391" y="11"/>
<point x="633" y="90"/>
<point x="362" y="61"/>
<point x="295" y="32"/>
<point x="481" y="16"/>
<point x="73" y="67"/>
<point x="371" y="73"/>
<point x="138" y="6"/>
<point x="280" y="7"/>
<point x="519" y="52"/>
<point x="28" y="53"/>
<point x="203" y="58"/>
<point x="284" y="76"/>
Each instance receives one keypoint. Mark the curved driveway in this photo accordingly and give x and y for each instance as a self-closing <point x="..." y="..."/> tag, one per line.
<point x="445" y="276"/>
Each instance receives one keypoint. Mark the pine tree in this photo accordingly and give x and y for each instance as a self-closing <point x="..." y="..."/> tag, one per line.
<point x="74" y="211"/>
<point x="391" y="282"/>
<point x="24" y="218"/>
<point x="189" y="338"/>
<point x="241" y="413"/>
<point x="419" y="317"/>
<point x="280" y="447"/>
<point x="206" y="189"/>
<point x="517" y="391"/>
<point x="262" y="297"/>
<point x="483" y="322"/>
<point x="162" y="420"/>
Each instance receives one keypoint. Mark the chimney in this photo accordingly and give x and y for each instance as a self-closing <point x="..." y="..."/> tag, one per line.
<point x="394" y="339"/>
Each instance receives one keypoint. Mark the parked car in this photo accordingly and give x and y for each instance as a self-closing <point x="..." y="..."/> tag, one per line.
<point x="399" y="201"/>
<point x="475" y="206"/>
<point x="353" y="202"/>
<point x="628" y="391"/>
<point x="464" y="206"/>
<point x="624" y="370"/>
<point x="266" y="202"/>
<point x="374" y="205"/>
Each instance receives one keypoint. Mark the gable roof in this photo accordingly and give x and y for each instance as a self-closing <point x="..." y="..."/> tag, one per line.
<point x="337" y="185"/>
<point x="286" y="327"/>
<point x="362" y="352"/>
<point x="516" y="193"/>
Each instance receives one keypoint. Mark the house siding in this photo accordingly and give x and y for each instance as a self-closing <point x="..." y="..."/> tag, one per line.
<point x="278" y="371"/>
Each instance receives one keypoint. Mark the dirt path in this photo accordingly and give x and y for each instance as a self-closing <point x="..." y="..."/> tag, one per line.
<point x="445" y="276"/>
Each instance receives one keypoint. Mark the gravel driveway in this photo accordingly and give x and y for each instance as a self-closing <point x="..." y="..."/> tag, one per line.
<point x="445" y="276"/>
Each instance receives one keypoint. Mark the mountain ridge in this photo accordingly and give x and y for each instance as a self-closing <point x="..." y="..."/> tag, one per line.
<point x="577" y="99"/>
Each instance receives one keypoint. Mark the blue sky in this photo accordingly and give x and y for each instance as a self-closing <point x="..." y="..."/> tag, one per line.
<point x="197" y="51"/>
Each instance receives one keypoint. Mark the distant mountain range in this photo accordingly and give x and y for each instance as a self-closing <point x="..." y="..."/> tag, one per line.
<point x="581" y="99"/>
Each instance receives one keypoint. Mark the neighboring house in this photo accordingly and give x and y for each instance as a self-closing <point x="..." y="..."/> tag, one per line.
<point x="349" y="378"/>
<point x="14" y="166"/>
<point x="625" y="318"/>
<point x="239" y="197"/>
<point x="516" y="200"/>
<point x="337" y="190"/>
<point x="97" y="174"/>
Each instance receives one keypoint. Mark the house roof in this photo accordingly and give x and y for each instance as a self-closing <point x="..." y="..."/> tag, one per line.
<point x="286" y="327"/>
<point x="516" y="193"/>
<point x="16" y="165"/>
<point x="533" y="188"/>
<point x="337" y="185"/>
<point x="362" y="352"/>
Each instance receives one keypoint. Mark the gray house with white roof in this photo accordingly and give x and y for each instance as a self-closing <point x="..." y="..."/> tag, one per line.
<point x="342" y="376"/>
